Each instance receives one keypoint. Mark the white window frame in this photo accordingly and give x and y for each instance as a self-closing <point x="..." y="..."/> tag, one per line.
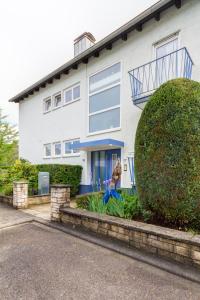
<point x="72" y="151"/>
<point x="54" y="98"/>
<point x="44" y="149"/>
<point x="165" y="40"/>
<point x="44" y="103"/>
<point x="107" y="109"/>
<point x="72" y="92"/>
<point x="54" y="152"/>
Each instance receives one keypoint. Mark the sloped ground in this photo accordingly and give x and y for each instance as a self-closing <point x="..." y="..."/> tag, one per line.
<point x="38" y="262"/>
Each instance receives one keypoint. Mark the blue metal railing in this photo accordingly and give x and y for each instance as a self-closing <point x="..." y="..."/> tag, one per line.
<point x="148" y="77"/>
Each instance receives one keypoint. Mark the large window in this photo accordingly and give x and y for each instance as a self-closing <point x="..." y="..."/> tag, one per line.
<point x="104" y="99"/>
<point x="69" y="149"/>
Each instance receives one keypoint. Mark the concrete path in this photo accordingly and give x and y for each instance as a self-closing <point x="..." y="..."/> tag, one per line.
<point x="40" y="211"/>
<point x="10" y="216"/>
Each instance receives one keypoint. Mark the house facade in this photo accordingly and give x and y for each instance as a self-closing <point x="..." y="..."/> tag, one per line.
<point x="87" y="111"/>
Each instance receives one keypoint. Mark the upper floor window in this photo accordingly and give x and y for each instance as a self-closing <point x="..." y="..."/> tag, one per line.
<point x="47" y="104"/>
<point x="72" y="94"/>
<point x="166" y="46"/>
<point x="57" y="149"/>
<point x="57" y="100"/>
<point x="47" y="150"/>
<point x="69" y="149"/>
<point x="104" y="99"/>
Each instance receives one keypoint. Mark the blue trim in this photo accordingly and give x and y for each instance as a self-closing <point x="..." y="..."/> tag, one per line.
<point x="84" y="189"/>
<point x="147" y="78"/>
<point x="93" y="144"/>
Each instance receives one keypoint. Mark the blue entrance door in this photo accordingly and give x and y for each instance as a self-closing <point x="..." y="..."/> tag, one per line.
<point x="102" y="166"/>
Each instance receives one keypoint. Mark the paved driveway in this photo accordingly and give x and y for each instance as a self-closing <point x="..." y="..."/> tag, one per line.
<point x="38" y="262"/>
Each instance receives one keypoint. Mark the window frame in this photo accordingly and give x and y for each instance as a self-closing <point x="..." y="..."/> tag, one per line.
<point x="72" y="92"/>
<point x="54" y="152"/>
<point x="44" y="102"/>
<point x="44" y="150"/>
<point x="107" y="109"/>
<point x="72" y="151"/>
<point x="165" y="40"/>
<point x="54" y="98"/>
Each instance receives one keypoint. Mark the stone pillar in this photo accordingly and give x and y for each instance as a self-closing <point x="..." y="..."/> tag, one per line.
<point x="20" y="194"/>
<point x="60" y="198"/>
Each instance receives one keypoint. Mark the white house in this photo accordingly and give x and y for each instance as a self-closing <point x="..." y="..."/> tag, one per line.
<point x="86" y="112"/>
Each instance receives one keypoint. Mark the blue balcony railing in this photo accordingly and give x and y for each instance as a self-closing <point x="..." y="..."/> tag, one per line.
<point x="148" y="77"/>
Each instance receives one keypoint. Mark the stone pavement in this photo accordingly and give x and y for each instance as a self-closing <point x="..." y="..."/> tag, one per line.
<point x="40" y="211"/>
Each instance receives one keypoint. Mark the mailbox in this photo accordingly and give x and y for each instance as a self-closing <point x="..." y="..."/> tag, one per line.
<point x="43" y="183"/>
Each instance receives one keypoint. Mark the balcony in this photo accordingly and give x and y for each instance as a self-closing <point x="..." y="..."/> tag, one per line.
<point x="147" y="78"/>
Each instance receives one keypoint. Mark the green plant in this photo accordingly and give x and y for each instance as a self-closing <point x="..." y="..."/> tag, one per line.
<point x="82" y="201"/>
<point x="96" y="204"/>
<point x="66" y="174"/>
<point x="132" y="206"/>
<point x="167" y="160"/>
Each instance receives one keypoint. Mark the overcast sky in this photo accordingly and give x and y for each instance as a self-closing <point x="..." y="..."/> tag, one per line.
<point x="37" y="37"/>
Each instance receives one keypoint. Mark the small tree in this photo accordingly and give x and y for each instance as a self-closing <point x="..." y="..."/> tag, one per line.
<point x="8" y="142"/>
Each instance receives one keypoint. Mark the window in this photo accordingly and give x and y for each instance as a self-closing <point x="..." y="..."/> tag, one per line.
<point x="72" y="94"/>
<point x="166" y="63"/>
<point x="47" y="104"/>
<point x="70" y="147"/>
<point x="104" y="99"/>
<point x="47" y="150"/>
<point x="57" y="149"/>
<point x="57" y="100"/>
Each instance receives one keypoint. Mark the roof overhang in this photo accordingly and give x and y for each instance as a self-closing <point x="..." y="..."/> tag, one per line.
<point x="122" y="33"/>
<point x="103" y="144"/>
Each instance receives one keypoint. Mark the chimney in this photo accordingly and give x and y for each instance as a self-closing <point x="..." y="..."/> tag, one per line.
<point x="83" y="42"/>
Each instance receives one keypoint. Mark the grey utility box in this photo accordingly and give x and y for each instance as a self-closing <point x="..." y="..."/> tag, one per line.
<point x="43" y="183"/>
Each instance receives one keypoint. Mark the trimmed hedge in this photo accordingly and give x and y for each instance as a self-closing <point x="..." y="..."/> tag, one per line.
<point x="66" y="174"/>
<point x="167" y="154"/>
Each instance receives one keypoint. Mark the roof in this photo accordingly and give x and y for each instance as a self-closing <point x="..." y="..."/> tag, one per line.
<point x="121" y="33"/>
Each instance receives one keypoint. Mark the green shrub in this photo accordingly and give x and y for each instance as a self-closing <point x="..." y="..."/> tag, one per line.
<point x="65" y="174"/>
<point x="127" y="208"/>
<point x="82" y="201"/>
<point x="22" y="169"/>
<point x="167" y="160"/>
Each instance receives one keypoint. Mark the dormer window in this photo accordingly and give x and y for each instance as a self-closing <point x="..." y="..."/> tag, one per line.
<point x="83" y="42"/>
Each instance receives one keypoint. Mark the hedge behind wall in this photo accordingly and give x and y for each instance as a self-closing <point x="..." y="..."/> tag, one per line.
<point x="65" y="174"/>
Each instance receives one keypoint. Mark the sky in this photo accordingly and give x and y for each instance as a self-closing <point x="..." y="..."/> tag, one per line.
<point x="36" y="37"/>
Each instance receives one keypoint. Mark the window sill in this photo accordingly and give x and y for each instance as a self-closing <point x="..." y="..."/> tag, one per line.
<point x="71" y="155"/>
<point x="46" y="112"/>
<point x="104" y="131"/>
<point x="70" y="102"/>
<point x="57" y="107"/>
<point x="47" y="157"/>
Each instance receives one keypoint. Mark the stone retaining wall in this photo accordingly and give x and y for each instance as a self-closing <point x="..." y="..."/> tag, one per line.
<point x="171" y="244"/>
<point x="39" y="199"/>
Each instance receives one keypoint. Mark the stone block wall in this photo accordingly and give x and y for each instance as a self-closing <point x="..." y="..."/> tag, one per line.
<point x="6" y="199"/>
<point x="39" y="199"/>
<point x="168" y="243"/>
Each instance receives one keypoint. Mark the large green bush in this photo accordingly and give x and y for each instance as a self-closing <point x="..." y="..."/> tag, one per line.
<point x="66" y="174"/>
<point x="167" y="154"/>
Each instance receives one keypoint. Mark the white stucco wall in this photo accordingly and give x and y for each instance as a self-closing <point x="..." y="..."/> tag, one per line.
<point x="71" y="121"/>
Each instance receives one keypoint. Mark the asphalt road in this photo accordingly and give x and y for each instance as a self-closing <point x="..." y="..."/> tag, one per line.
<point x="38" y="262"/>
